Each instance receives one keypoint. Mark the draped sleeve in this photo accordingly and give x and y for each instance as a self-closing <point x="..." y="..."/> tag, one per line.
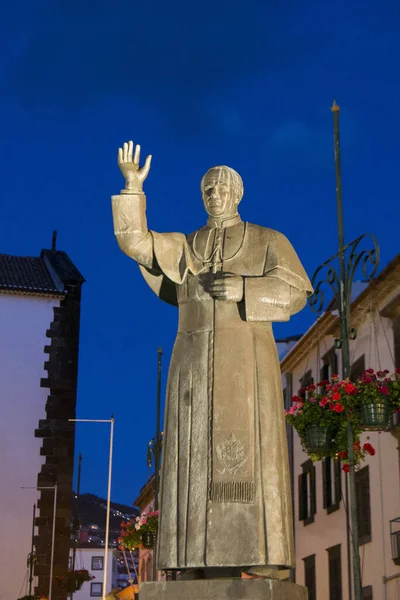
<point x="284" y="288"/>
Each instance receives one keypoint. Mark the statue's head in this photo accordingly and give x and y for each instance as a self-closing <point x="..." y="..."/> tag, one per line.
<point x="222" y="190"/>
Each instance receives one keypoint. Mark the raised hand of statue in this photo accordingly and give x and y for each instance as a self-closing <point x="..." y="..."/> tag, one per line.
<point x="134" y="176"/>
<point x="227" y="286"/>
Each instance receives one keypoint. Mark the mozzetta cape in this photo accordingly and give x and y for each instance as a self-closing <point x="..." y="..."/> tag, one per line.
<point x="225" y="487"/>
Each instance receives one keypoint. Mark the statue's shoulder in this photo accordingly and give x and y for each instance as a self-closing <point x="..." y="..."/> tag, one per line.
<point x="190" y="237"/>
<point x="265" y="234"/>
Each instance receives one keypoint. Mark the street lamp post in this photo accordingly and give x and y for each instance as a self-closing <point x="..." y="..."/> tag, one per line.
<point x="154" y="448"/>
<point x="111" y="421"/>
<point x="348" y="259"/>
<point x="53" y="530"/>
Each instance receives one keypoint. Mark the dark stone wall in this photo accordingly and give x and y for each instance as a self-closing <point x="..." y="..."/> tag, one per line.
<point x="58" y="437"/>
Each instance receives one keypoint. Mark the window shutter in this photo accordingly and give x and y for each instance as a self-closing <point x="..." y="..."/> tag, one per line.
<point x="363" y="505"/>
<point x="325" y="475"/>
<point x="338" y="480"/>
<point x="313" y="492"/>
<point x="302" y="483"/>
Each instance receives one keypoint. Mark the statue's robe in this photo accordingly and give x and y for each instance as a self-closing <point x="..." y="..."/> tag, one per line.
<point x="225" y="488"/>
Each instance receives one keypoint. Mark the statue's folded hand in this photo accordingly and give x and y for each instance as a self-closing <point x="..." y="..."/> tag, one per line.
<point x="227" y="287"/>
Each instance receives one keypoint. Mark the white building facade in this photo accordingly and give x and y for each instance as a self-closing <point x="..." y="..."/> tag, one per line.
<point x="93" y="560"/>
<point x="320" y="490"/>
<point x="30" y="294"/>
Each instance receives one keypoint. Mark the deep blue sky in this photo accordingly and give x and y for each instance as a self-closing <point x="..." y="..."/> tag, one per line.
<point x="248" y="84"/>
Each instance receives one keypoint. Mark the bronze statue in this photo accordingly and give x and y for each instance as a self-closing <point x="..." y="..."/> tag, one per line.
<point x="225" y="492"/>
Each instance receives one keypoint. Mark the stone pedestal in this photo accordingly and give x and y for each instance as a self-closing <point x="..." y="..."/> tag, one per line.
<point x="222" y="589"/>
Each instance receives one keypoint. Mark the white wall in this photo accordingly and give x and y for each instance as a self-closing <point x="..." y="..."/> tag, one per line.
<point x="375" y="341"/>
<point x="23" y="324"/>
<point x="84" y="561"/>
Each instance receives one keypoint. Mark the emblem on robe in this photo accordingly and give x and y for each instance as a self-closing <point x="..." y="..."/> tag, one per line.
<point x="231" y="453"/>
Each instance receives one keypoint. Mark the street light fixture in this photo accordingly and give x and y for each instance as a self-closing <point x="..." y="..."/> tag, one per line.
<point x="111" y="421"/>
<point x="349" y="258"/>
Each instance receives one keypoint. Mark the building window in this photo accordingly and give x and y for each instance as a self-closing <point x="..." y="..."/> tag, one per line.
<point x="97" y="563"/>
<point x="96" y="589"/>
<point x="357" y="368"/>
<point x="307" y="493"/>
<point x="309" y="576"/>
<point x="363" y="503"/>
<point x="366" y="593"/>
<point x="331" y="483"/>
<point x="329" y="365"/>
<point x="335" y="573"/>
<point x="305" y="381"/>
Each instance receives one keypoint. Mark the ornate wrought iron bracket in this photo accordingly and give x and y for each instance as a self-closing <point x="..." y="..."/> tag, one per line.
<point x="352" y="257"/>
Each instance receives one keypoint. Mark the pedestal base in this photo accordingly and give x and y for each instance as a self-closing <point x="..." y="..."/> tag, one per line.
<point x="222" y="589"/>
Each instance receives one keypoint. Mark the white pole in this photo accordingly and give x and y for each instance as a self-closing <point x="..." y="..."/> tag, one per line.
<point x="108" y="508"/>
<point x="53" y="538"/>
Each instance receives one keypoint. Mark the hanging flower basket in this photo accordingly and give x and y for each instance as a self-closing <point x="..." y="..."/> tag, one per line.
<point x="140" y="532"/>
<point x="377" y="399"/>
<point x="72" y="581"/>
<point x="375" y="415"/>
<point x="318" y="439"/>
<point x="149" y="539"/>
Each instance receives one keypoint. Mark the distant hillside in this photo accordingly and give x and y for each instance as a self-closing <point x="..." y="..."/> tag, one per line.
<point x="91" y="510"/>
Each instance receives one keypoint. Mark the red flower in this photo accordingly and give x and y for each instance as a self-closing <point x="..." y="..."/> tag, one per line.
<point x="350" y="388"/>
<point x="311" y="387"/>
<point x="346" y="467"/>
<point x="342" y="454"/>
<point x="323" y="402"/>
<point x="295" y="399"/>
<point x="336" y="396"/>
<point x="357" y="446"/>
<point x="384" y="390"/>
<point x="369" y="448"/>
<point x="335" y="376"/>
<point x="338" y="407"/>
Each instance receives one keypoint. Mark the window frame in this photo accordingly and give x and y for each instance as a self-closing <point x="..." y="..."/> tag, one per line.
<point x="331" y="482"/>
<point x="305" y="381"/>
<point x="335" y="580"/>
<point x="94" y="583"/>
<point x="309" y="563"/>
<point x="102" y="563"/>
<point x="363" y="503"/>
<point x="307" y="498"/>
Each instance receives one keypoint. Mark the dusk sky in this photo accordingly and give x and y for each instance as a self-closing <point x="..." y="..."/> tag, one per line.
<point x="246" y="84"/>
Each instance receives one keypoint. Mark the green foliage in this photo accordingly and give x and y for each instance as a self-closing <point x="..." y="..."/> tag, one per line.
<point x="132" y="531"/>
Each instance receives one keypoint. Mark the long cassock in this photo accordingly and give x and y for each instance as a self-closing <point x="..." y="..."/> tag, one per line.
<point x="225" y="487"/>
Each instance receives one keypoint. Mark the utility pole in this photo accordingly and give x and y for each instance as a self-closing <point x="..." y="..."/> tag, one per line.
<point x="76" y="523"/>
<point x="340" y="279"/>
<point x="31" y="555"/>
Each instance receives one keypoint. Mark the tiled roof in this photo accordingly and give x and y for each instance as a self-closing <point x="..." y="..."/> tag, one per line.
<point x="26" y="274"/>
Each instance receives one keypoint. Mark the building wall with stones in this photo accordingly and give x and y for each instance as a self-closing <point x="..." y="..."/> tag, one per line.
<point x="41" y="295"/>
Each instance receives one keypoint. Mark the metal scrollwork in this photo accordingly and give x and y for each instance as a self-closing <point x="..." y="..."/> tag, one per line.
<point x="329" y="273"/>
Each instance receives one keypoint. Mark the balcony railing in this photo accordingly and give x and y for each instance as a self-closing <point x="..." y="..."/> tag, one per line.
<point x="395" y="540"/>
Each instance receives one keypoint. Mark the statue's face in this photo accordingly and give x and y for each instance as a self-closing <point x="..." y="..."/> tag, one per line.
<point x="218" y="194"/>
